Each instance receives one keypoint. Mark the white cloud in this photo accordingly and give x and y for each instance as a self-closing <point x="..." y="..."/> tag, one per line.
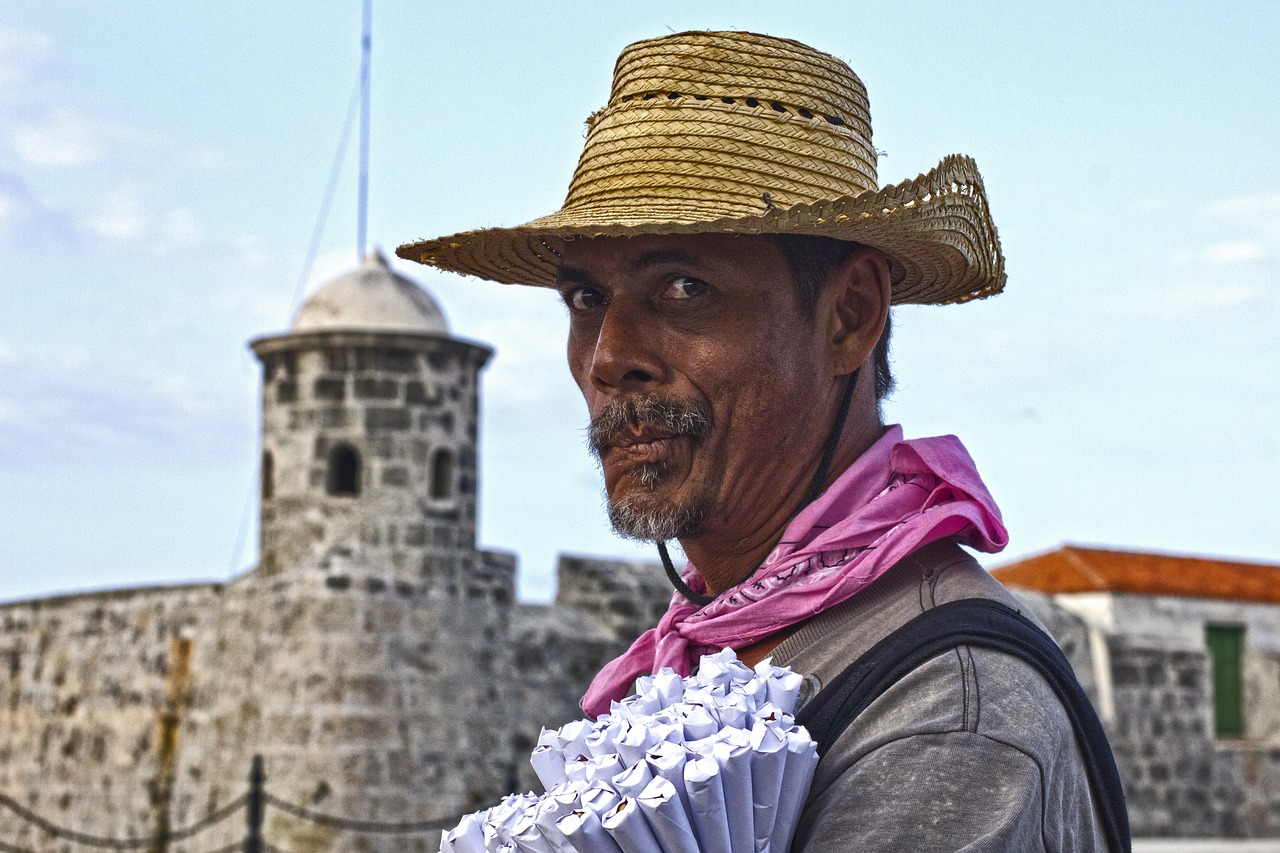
<point x="1243" y="206"/>
<point x="21" y="53"/>
<point x="61" y="138"/>
<point x="1226" y="296"/>
<point x="1221" y="254"/>
<point x="55" y="409"/>
<point x="180" y="228"/>
<point x="119" y="218"/>
<point x="28" y="221"/>
<point x="1255" y="213"/>
<point x="1228" y="265"/>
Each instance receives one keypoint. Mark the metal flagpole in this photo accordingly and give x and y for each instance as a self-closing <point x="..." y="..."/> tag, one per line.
<point x="362" y="210"/>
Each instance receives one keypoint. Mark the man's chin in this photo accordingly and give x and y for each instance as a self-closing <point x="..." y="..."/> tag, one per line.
<point x="647" y="517"/>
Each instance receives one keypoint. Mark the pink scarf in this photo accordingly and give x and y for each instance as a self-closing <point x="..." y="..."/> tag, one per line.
<point x="896" y="498"/>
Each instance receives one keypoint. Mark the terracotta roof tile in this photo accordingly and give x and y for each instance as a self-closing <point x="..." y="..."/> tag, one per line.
<point x="1072" y="568"/>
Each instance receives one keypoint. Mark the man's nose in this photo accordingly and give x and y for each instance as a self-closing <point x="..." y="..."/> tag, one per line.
<point x="627" y="355"/>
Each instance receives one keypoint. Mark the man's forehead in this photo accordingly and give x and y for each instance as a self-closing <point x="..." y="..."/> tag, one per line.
<point x="648" y="250"/>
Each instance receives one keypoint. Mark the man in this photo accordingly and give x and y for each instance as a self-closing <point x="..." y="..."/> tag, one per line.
<point x="728" y="262"/>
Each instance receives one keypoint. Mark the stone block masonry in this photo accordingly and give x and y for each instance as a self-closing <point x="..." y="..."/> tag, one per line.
<point x="94" y="693"/>
<point x="127" y="711"/>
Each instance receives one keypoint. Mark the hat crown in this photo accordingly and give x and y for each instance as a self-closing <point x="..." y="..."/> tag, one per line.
<point x="744" y="66"/>
<point x="723" y="124"/>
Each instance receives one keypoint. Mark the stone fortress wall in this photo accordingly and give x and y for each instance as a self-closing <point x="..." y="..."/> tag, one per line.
<point x="123" y="712"/>
<point x="378" y="660"/>
<point x="92" y="693"/>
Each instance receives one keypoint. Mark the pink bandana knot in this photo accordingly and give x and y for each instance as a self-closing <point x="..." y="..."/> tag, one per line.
<point x="896" y="498"/>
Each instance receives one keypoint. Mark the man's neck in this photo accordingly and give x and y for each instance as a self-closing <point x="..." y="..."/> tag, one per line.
<point x="727" y="556"/>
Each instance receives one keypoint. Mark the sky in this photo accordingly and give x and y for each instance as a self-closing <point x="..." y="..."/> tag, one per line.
<point x="163" y="165"/>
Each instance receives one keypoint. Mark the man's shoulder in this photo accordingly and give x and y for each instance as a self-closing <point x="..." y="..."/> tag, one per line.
<point x="967" y="689"/>
<point x="970" y="722"/>
<point x="936" y="574"/>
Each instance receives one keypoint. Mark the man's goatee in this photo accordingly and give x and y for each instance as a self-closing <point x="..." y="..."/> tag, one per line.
<point x="641" y="515"/>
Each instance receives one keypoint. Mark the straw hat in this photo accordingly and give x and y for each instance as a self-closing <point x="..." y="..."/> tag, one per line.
<point x="738" y="133"/>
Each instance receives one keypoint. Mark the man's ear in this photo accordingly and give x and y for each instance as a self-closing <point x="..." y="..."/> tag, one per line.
<point x="857" y="302"/>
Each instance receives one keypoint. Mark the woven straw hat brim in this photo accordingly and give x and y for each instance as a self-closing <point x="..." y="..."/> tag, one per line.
<point x="935" y="229"/>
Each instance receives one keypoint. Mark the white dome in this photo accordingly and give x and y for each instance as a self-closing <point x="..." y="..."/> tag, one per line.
<point x="374" y="298"/>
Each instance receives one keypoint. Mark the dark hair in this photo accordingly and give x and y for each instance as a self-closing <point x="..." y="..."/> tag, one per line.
<point x="812" y="260"/>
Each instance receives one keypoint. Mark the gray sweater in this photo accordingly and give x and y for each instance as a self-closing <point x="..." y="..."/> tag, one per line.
<point x="971" y="751"/>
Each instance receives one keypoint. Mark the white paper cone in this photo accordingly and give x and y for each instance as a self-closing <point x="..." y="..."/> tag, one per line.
<point x="573" y="739"/>
<point x="802" y="761"/>
<point x="768" y="763"/>
<point x="734" y="758"/>
<point x="633" y="780"/>
<point x="585" y="834"/>
<point x="707" y="810"/>
<point x="699" y="723"/>
<point x="575" y="770"/>
<point x="757" y="691"/>
<point x="784" y="690"/>
<point x="528" y="837"/>
<point x="491" y="839"/>
<point x="634" y="742"/>
<point x="466" y="837"/>
<point x="599" y="798"/>
<point x="723" y="669"/>
<point x="734" y="710"/>
<point x="548" y="764"/>
<point x="600" y="743"/>
<point x="667" y="818"/>
<point x="558" y="803"/>
<point x="603" y="768"/>
<point x="626" y="824"/>
<point x="667" y="760"/>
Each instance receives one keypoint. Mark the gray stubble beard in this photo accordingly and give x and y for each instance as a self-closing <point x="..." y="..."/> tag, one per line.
<point x="646" y="519"/>
<point x="641" y="515"/>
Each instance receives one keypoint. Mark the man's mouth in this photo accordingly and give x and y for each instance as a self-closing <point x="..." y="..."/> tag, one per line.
<point x="644" y="433"/>
<point x="645" y="445"/>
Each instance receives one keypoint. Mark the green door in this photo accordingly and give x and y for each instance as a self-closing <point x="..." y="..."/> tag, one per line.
<point x="1226" y="650"/>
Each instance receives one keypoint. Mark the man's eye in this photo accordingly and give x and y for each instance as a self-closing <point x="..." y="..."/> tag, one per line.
<point x="685" y="287"/>
<point x="584" y="298"/>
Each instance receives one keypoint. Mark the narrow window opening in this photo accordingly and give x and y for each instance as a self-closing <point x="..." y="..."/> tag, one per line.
<point x="442" y="474"/>
<point x="343" y="479"/>
<point x="268" y="475"/>
<point x="1226" y="654"/>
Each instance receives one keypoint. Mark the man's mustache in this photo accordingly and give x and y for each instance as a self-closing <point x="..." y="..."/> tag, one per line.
<point x="688" y="418"/>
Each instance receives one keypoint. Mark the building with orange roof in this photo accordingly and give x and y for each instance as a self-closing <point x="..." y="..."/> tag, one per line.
<point x="1181" y="656"/>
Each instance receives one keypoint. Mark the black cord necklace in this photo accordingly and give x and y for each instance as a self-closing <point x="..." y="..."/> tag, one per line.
<point x="815" y="489"/>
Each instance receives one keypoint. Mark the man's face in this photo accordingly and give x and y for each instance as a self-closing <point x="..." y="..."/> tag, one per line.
<point x="702" y="376"/>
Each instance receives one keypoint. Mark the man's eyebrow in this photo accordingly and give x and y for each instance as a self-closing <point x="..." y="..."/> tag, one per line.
<point x="658" y="257"/>
<point x="567" y="275"/>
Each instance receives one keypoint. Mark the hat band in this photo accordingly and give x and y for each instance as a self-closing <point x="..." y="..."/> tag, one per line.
<point x="716" y="156"/>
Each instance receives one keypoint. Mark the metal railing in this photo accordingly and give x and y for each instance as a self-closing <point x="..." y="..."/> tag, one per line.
<point x="254" y="803"/>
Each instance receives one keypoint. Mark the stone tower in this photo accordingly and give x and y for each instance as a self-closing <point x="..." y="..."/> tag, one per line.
<point x="367" y="658"/>
<point x="368" y="428"/>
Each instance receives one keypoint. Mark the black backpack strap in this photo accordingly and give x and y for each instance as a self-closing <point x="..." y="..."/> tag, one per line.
<point x="988" y="624"/>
